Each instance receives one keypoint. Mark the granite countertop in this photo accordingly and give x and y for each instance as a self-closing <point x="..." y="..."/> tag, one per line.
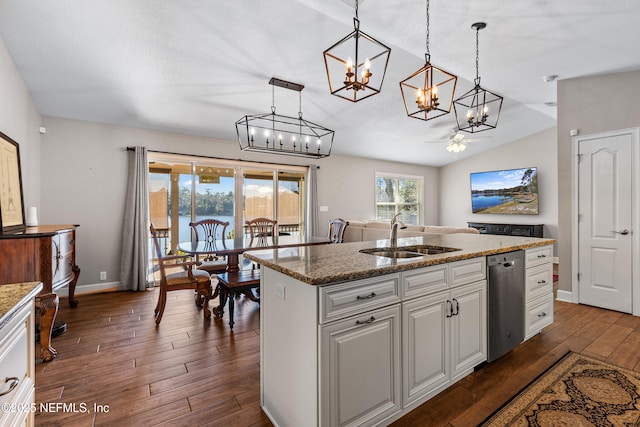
<point x="14" y="296"/>
<point x="325" y="264"/>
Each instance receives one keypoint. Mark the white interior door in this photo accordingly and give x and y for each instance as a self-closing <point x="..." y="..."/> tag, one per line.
<point x="605" y="204"/>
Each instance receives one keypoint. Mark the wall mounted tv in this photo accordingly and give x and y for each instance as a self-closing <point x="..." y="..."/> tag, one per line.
<point x="508" y="192"/>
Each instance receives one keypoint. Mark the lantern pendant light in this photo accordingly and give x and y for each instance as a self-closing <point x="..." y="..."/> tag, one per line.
<point x="356" y="64"/>
<point x="479" y="109"/>
<point x="428" y="93"/>
<point x="277" y="134"/>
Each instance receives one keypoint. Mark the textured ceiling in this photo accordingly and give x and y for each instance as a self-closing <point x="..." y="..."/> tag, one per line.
<point x="197" y="66"/>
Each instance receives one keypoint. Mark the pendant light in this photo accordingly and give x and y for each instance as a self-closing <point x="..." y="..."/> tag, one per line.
<point x="428" y="93"/>
<point x="278" y="134"/>
<point x="479" y="109"/>
<point x="356" y="64"/>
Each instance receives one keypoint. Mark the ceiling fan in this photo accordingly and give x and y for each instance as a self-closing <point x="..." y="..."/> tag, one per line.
<point x="456" y="141"/>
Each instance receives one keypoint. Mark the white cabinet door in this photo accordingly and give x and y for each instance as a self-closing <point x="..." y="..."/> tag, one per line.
<point x="468" y="327"/>
<point x="361" y="368"/>
<point x="425" y="346"/>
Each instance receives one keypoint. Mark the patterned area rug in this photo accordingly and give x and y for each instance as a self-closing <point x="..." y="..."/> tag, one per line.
<point x="576" y="391"/>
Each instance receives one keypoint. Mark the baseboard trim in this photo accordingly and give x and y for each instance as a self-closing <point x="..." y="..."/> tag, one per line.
<point x="91" y="288"/>
<point x="565" y="296"/>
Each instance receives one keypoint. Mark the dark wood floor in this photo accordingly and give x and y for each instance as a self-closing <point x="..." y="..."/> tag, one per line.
<point x="191" y="372"/>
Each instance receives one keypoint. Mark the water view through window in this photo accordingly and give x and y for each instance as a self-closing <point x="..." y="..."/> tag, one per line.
<point x="182" y="192"/>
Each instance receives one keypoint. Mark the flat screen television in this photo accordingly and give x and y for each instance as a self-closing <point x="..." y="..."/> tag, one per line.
<point x="507" y="192"/>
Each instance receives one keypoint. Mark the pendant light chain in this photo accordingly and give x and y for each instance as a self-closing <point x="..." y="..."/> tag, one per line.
<point x="428" y="53"/>
<point x="273" y="99"/>
<point x="356" y="9"/>
<point x="477" y="56"/>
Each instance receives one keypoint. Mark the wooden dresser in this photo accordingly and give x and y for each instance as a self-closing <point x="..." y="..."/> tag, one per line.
<point x="45" y="254"/>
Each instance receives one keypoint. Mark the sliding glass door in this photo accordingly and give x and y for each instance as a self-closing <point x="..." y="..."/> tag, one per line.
<point x="183" y="189"/>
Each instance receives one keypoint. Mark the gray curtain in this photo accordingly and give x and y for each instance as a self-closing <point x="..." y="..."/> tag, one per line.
<point x="135" y="240"/>
<point x="313" y="226"/>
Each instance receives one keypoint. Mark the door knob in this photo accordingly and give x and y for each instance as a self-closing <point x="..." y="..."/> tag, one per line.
<point x="623" y="232"/>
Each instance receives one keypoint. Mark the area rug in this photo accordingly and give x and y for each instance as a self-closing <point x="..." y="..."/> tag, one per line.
<point x="576" y="391"/>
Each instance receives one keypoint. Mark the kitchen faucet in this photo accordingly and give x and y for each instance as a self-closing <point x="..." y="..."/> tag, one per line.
<point x="394" y="230"/>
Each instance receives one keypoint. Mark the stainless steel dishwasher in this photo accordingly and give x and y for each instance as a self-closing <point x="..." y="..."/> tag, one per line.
<point x="505" y="301"/>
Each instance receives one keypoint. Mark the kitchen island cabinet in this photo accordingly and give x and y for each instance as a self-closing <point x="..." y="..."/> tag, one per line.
<point x="350" y="339"/>
<point x="17" y="353"/>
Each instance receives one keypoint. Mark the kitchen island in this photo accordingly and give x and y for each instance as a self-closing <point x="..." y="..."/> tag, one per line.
<point x="351" y="338"/>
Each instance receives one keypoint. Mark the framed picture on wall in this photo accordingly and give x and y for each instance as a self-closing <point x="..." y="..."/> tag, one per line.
<point x="11" y="197"/>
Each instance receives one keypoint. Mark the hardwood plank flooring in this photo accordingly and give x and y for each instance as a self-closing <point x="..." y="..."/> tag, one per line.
<point x="193" y="372"/>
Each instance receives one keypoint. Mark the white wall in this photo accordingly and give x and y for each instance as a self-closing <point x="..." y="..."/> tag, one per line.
<point x="86" y="168"/>
<point x="537" y="150"/>
<point x="590" y="105"/>
<point x="20" y="121"/>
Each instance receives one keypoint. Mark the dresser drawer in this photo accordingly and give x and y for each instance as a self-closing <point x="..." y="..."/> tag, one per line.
<point x="342" y="300"/>
<point x="424" y="281"/>
<point x="539" y="313"/>
<point x="538" y="256"/>
<point x="538" y="281"/>
<point x="62" y="251"/>
<point x="468" y="271"/>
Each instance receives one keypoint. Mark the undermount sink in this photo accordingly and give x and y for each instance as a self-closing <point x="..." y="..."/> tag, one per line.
<point x="431" y="250"/>
<point x="408" y="251"/>
<point x="392" y="253"/>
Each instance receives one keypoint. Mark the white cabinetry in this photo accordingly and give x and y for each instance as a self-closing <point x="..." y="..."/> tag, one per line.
<point x="360" y="351"/>
<point x="444" y="331"/>
<point x="360" y="362"/>
<point x="538" y="289"/>
<point x="17" y="368"/>
<point x="366" y="352"/>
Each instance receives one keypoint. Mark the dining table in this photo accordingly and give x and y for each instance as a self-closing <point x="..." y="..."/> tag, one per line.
<point x="233" y="248"/>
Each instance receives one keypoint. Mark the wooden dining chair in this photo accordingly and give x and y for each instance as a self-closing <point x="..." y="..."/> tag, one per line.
<point x="186" y="276"/>
<point x="337" y="227"/>
<point x="208" y="231"/>
<point x="262" y="227"/>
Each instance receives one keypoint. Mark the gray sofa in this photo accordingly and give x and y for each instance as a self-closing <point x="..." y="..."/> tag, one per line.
<point x="362" y="231"/>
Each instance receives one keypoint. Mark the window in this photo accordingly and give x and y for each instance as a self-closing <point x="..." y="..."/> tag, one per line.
<point x="399" y="194"/>
<point x="183" y="189"/>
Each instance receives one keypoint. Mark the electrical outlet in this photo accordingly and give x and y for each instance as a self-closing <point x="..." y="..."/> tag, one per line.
<point x="103" y="275"/>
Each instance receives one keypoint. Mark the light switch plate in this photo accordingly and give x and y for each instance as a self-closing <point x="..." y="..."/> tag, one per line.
<point x="280" y="291"/>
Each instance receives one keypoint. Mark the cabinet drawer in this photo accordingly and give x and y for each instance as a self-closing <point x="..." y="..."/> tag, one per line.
<point x="425" y="281"/>
<point x="468" y="271"/>
<point x="539" y="313"/>
<point x="538" y="256"/>
<point x="338" y="301"/>
<point x="538" y="282"/>
<point x="14" y="359"/>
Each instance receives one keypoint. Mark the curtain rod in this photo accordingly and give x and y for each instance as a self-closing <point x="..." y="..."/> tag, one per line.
<point x="219" y="158"/>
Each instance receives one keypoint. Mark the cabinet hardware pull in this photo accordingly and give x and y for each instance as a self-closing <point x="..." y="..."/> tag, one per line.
<point x="540" y="282"/>
<point x="457" y="308"/>
<point x="365" y="322"/>
<point x="542" y="314"/>
<point x="14" y="384"/>
<point x="449" y="309"/>
<point x="542" y="256"/>
<point x="373" y="294"/>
